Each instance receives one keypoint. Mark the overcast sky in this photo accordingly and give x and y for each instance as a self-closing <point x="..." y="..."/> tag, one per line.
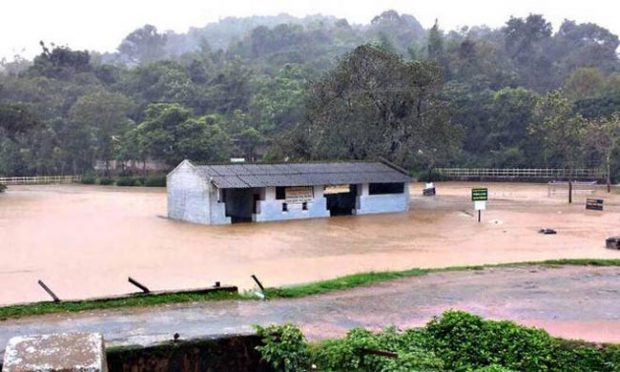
<point x="101" y="25"/>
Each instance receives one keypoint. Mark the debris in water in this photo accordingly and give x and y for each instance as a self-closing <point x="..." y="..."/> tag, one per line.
<point x="547" y="231"/>
<point x="613" y="242"/>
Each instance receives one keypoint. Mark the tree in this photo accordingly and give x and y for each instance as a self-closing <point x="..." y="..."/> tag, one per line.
<point x="510" y="112"/>
<point x="16" y="119"/>
<point x="436" y="51"/>
<point x="583" y="83"/>
<point x="560" y="131"/>
<point x="586" y="44"/>
<point x="603" y="134"/>
<point x="106" y="113"/>
<point x="143" y="45"/>
<point x="60" y="63"/>
<point x="277" y="102"/>
<point x="373" y="105"/>
<point x="170" y="133"/>
<point x="525" y="43"/>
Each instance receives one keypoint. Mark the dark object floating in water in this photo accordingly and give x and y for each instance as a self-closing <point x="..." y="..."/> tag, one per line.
<point x="613" y="242"/>
<point x="547" y="231"/>
<point x="429" y="189"/>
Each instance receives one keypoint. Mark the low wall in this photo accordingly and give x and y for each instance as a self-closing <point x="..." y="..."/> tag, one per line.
<point x="387" y="203"/>
<point x="227" y="353"/>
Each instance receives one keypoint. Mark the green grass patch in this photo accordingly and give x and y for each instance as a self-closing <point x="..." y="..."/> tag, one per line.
<point x="340" y="283"/>
<point x="302" y="290"/>
<point x="138" y="300"/>
<point x="365" y="279"/>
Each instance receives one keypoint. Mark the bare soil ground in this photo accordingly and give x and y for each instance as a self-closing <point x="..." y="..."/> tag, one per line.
<point x="571" y="301"/>
<point x="84" y="241"/>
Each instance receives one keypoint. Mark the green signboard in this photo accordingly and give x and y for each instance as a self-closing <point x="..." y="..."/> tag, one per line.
<point x="479" y="194"/>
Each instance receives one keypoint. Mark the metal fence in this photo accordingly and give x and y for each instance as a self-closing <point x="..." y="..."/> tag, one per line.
<point x="539" y="173"/>
<point x="39" y="180"/>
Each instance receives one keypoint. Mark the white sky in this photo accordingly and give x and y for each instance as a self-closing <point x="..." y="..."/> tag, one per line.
<point x="101" y="25"/>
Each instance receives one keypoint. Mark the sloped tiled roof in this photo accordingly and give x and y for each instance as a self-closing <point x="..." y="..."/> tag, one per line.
<point x="243" y="175"/>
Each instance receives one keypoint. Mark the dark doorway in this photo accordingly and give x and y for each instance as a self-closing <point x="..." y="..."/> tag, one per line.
<point x="341" y="203"/>
<point x="240" y="204"/>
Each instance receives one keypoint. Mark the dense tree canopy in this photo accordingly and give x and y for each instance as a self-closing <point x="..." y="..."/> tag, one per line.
<point x="287" y="88"/>
<point x="375" y="104"/>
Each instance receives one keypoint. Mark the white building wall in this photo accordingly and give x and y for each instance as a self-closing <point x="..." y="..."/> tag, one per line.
<point x="270" y="209"/>
<point x="189" y="197"/>
<point x="382" y="203"/>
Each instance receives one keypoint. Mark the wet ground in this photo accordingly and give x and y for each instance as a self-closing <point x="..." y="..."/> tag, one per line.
<point x="571" y="302"/>
<point x="84" y="241"/>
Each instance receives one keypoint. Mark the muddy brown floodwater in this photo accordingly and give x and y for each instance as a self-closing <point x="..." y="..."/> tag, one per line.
<point x="84" y="241"/>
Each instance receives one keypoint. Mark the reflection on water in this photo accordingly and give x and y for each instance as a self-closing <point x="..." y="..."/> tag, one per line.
<point x="84" y="241"/>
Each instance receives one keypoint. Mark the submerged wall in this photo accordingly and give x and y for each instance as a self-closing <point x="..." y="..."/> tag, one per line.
<point x="381" y="203"/>
<point x="270" y="209"/>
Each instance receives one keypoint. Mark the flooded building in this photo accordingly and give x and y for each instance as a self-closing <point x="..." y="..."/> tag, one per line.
<point x="229" y="193"/>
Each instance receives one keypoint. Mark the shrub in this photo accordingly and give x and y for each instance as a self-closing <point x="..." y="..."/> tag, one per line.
<point x="88" y="180"/>
<point x="2" y="187"/>
<point x="105" y="181"/>
<point x="284" y="347"/>
<point x="128" y="181"/>
<point x="455" y="341"/>
<point x="355" y="352"/>
<point x="494" y="368"/>
<point x="422" y="176"/>
<point x="155" y="181"/>
<point x="466" y="341"/>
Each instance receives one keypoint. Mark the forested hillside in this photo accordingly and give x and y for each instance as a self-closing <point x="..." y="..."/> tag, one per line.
<point x="277" y="88"/>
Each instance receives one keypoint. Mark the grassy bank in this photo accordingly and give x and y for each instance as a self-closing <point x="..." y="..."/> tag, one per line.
<point x="362" y="279"/>
<point x="139" y="300"/>
<point x="314" y="288"/>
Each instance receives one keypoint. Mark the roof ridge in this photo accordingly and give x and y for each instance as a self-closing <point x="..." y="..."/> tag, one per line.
<point x="290" y="162"/>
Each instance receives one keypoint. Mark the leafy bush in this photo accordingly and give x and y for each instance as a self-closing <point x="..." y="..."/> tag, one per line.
<point x="423" y="176"/>
<point x="129" y="181"/>
<point x="360" y="349"/>
<point x="494" y="368"/>
<point x="88" y="180"/>
<point x="467" y="341"/>
<point x="284" y="347"/>
<point x="155" y="181"/>
<point x="2" y="187"/>
<point x="105" y="181"/>
<point x="455" y="341"/>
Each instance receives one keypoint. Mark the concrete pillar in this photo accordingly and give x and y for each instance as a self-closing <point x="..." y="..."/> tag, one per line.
<point x="362" y="190"/>
<point x="270" y="193"/>
<point x="318" y="191"/>
<point x="56" y="352"/>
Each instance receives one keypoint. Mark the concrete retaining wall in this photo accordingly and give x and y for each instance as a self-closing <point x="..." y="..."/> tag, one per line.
<point x="230" y="353"/>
